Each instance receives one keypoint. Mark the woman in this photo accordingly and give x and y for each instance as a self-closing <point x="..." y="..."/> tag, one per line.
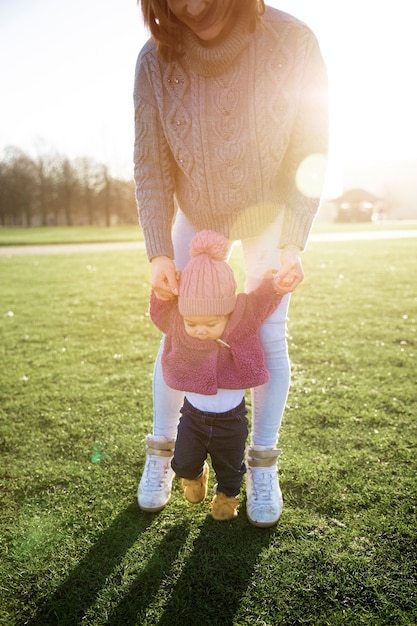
<point x="230" y="108"/>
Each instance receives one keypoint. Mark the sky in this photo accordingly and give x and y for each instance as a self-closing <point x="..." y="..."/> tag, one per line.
<point x="67" y="66"/>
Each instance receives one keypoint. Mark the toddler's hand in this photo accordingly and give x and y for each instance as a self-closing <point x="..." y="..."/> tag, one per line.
<point x="283" y="284"/>
<point x="291" y="272"/>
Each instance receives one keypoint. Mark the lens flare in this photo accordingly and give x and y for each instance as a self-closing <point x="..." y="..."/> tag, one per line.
<point x="311" y="174"/>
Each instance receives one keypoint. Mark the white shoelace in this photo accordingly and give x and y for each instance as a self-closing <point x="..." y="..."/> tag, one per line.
<point x="263" y="483"/>
<point x="156" y="471"/>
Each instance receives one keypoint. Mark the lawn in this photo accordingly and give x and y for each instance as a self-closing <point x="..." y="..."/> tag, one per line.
<point x="14" y="236"/>
<point x="77" y="349"/>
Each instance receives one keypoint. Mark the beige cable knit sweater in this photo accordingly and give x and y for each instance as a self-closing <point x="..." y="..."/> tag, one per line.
<point x="222" y="132"/>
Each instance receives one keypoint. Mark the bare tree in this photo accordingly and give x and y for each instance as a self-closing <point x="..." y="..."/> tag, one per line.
<point x="21" y="185"/>
<point x="106" y="193"/>
<point x="67" y="185"/>
<point x="5" y="212"/>
<point x="51" y="189"/>
<point x="89" y="177"/>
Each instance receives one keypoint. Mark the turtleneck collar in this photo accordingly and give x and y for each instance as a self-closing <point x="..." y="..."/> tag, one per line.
<point x="210" y="61"/>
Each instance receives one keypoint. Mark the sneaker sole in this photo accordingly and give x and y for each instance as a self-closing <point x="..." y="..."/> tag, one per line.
<point x="262" y="524"/>
<point x="148" y="509"/>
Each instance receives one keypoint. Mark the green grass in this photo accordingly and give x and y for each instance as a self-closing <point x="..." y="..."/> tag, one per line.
<point x="77" y="349"/>
<point x="13" y="236"/>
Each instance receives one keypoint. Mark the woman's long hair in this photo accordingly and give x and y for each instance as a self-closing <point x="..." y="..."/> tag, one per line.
<point x="166" y="28"/>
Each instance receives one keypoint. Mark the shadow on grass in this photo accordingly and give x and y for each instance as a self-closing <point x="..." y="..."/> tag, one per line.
<point x="216" y="574"/>
<point x="213" y="580"/>
<point x="207" y="590"/>
<point x="69" y="603"/>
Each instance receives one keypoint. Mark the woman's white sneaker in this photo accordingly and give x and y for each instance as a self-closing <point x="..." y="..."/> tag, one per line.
<point x="154" y="490"/>
<point x="263" y="494"/>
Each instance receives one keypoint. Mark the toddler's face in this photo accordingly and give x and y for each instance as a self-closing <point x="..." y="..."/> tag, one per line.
<point x="205" y="327"/>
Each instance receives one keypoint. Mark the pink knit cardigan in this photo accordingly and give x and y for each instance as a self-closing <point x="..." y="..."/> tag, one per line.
<point x="204" y="365"/>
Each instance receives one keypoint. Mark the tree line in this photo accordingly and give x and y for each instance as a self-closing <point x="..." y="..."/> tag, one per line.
<point x="52" y="190"/>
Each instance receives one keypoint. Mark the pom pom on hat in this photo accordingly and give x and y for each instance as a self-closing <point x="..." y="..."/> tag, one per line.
<point x="211" y="243"/>
<point x="207" y="285"/>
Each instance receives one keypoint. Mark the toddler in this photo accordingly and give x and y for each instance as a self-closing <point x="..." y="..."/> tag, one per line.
<point x="213" y="354"/>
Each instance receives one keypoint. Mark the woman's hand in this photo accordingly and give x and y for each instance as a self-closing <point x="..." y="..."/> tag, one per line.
<point x="291" y="273"/>
<point x="164" y="278"/>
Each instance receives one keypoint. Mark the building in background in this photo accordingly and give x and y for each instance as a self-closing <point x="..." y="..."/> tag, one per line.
<point x="386" y="190"/>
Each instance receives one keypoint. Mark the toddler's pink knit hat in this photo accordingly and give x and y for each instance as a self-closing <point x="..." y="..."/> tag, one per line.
<point x="207" y="285"/>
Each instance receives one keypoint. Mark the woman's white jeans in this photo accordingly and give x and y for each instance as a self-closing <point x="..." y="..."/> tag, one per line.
<point x="268" y="401"/>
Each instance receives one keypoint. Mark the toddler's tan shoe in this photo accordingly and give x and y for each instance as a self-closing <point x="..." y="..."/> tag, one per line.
<point x="195" y="491"/>
<point x="223" y="507"/>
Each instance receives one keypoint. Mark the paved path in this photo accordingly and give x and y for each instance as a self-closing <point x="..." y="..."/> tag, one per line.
<point x="70" y="248"/>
